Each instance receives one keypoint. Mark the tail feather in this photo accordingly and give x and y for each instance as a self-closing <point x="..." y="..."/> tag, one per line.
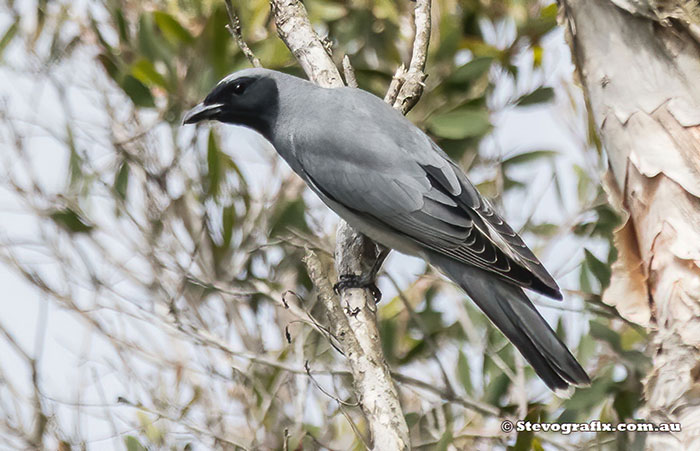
<point x="511" y="311"/>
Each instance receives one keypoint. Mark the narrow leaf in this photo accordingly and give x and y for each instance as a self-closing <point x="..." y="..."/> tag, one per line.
<point x="228" y="220"/>
<point x="137" y="92"/>
<point x="132" y="444"/>
<point x="9" y="34"/>
<point x="600" y="270"/>
<point x="470" y="71"/>
<point x="463" y="372"/>
<point x="70" y="220"/>
<point x="147" y="74"/>
<point x="461" y="123"/>
<point x="172" y="29"/>
<point x="539" y="95"/>
<point x="121" y="181"/>
<point x="527" y="157"/>
<point x="214" y="168"/>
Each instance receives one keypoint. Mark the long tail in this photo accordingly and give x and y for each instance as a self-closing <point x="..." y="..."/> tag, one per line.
<point x="511" y="311"/>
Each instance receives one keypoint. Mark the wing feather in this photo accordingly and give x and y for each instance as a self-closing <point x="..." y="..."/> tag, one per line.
<point x="416" y="191"/>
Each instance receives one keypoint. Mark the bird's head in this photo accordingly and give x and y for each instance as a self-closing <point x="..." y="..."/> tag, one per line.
<point x="249" y="97"/>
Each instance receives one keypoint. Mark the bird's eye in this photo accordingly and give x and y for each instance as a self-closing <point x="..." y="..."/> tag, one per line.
<point x="238" y="88"/>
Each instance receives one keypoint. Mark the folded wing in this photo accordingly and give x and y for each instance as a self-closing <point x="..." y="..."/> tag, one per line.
<point x="428" y="199"/>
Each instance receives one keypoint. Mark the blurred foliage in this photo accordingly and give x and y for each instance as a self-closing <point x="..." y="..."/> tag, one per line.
<point x="217" y="256"/>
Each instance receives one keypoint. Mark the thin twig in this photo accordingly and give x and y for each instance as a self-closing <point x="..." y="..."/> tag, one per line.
<point x="413" y="79"/>
<point x="395" y="86"/>
<point x="349" y="73"/>
<point x="471" y="404"/>
<point x="234" y="27"/>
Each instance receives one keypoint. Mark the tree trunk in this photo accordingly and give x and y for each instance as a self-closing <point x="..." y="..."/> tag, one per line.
<point x="640" y="70"/>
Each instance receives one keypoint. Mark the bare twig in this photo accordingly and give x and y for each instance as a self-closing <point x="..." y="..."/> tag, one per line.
<point x="349" y="72"/>
<point x="480" y="407"/>
<point x="413" y="79"/>
<point x="395" y="86"/>
<point x="234" y="27"/>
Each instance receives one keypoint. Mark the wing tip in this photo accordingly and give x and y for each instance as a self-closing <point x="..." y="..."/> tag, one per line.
<point x="550" y="290"/>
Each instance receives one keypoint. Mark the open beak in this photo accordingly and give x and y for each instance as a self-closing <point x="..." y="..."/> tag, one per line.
<point x="202" y="112"/>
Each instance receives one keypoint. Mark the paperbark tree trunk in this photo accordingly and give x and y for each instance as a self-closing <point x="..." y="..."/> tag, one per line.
<point x="639" y="65"/>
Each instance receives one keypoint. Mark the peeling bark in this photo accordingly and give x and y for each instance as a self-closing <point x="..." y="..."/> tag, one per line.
<point x="639" y="64"/>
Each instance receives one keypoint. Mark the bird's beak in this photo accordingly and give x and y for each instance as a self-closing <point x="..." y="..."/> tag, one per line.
<point x="202" y="112"/>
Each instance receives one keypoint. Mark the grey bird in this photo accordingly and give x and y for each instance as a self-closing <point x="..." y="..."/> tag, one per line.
<point x="391" y="182"/>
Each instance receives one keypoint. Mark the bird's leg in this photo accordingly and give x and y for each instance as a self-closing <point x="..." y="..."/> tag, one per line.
<point x="366" y="280"/>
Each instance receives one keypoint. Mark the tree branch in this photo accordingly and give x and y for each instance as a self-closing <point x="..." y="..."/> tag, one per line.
<point x="355" y="327"/>
<point x="234" y="27"/>
<point x="294" y="28"/>
<point x="412" y="80"/>
<point x="354" y="324"/>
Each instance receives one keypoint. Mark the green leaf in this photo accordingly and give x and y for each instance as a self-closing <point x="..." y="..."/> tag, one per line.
<point x="544" y="229"/>
<point x="584" y="281"/>
<point x="148" y="42"/>
<point x="110" y="65"/>
<point x="600" y="270"/>
<point x="103" y="42"/>
<point x="132" y="444"/>
<point x="147" y="74"/>
<point x="228" y="217"/>
<point x="496" y="388"/>
<point x="325" y="11"/>
<point x="625" y="404"/>
<point x="171" y="28"/>
<point x="539" y="95"/>
<point x="411" y="419"/>
<point x="122" y="26"/>
<point x="463" y="372"/>
<point x="461" y="123"/>
<point x="523" y="441"/>
<point x="137" y="92"/>
<point x="473" y="70"/>
<point x="445" y="440"/>
<point x="292" y="215"/>
<point x="389" y="338"/>
<point x="604" y="333"/>
<point x="527" y="157"/>
<point x="121" y="181"/>
<point x="70" y="220"/>
<point x="583" y="183"/>
<point x="509" y="183"/>
<point x="538" y="26"/>
<point x="9" y="35"/>
<point x="214" y="169"/>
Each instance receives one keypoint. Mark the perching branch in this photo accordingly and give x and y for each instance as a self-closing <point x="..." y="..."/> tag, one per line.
<point x="355" y="327"/>
<point x="353" y="319"/>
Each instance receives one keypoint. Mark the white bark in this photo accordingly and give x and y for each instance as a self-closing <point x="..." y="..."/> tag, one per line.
<point x="353" y="319"/>
<point x="639" y="64"/>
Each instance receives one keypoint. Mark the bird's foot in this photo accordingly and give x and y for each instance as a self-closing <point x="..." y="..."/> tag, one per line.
<point x="353" y="281"/>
